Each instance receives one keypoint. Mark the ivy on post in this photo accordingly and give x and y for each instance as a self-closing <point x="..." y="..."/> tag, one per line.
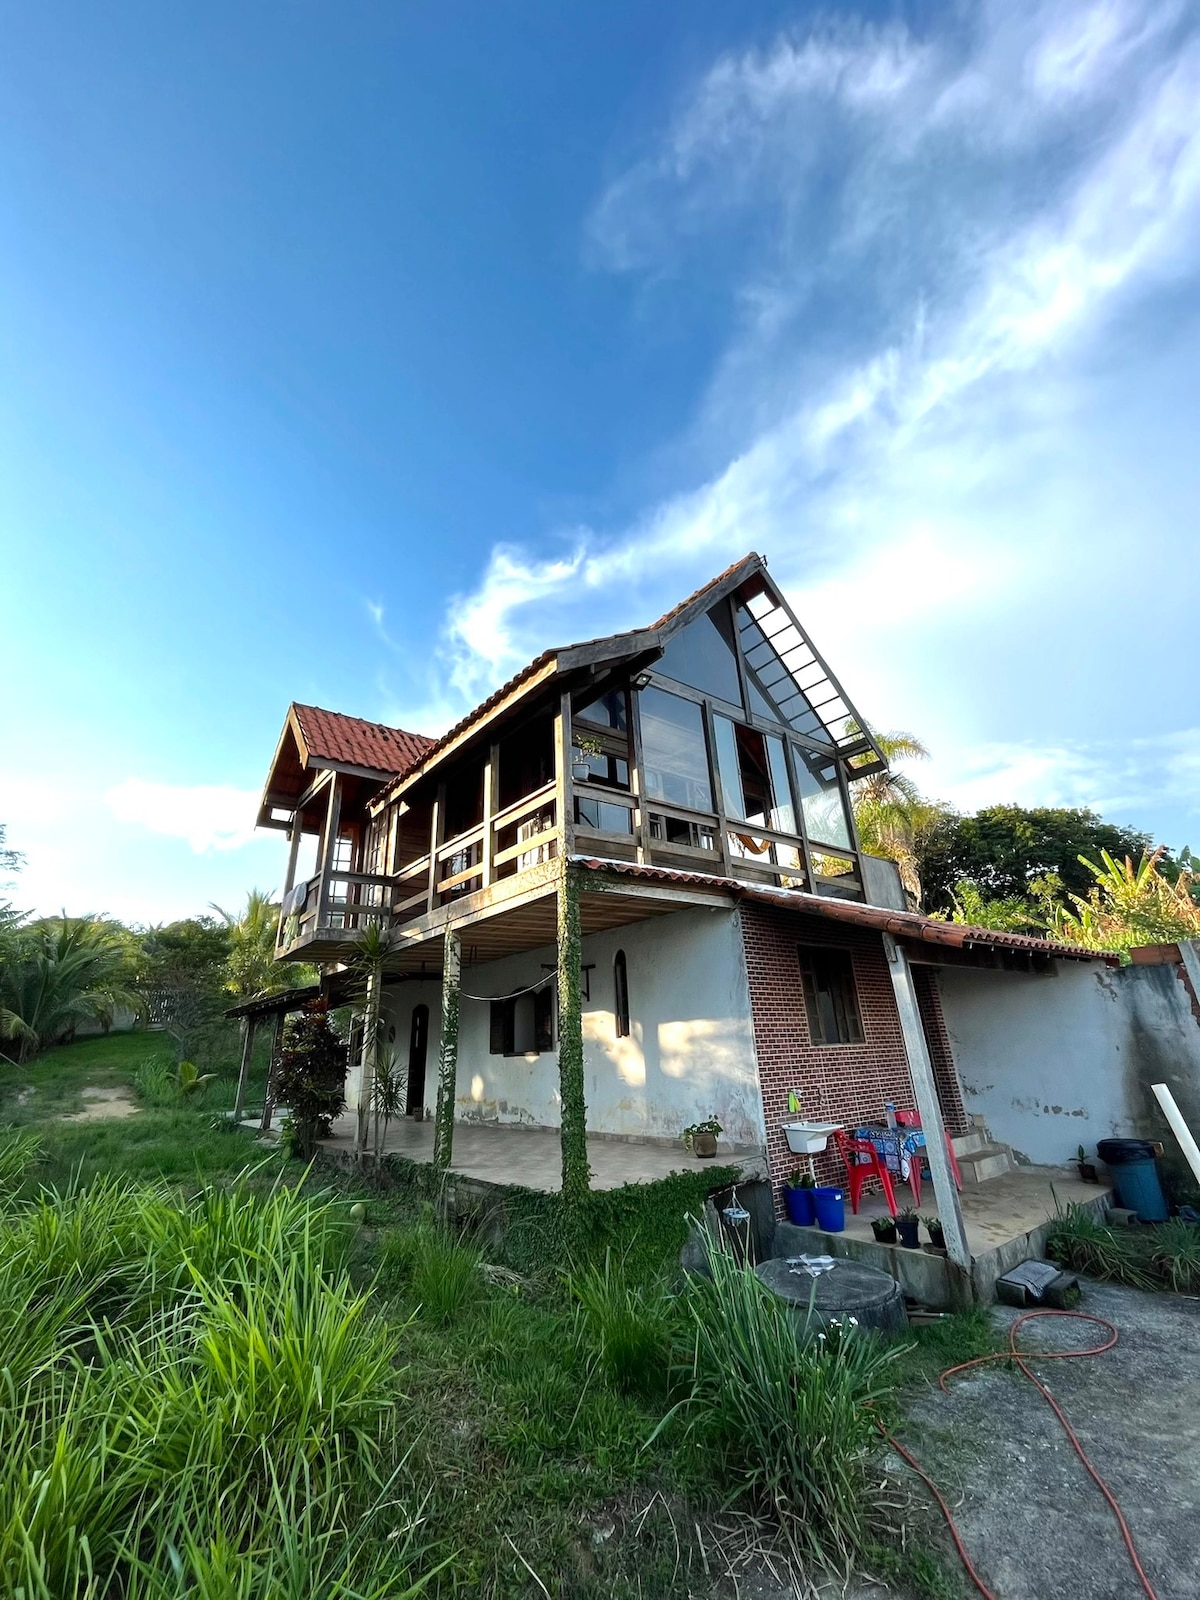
<point x="367" y="1067"/>
<point x="443" y="1127"/>
<point x="576" y="1174"/>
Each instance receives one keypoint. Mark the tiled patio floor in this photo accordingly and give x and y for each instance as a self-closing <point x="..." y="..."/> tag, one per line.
<point x="532" y="1157"/>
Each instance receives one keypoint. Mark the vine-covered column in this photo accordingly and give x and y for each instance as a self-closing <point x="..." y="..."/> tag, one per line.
<point x="576" y="1175"/>
<point x="443" y="1127"/>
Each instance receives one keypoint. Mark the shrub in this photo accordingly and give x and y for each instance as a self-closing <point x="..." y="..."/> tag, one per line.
<point x="310" y="1076"/>
<point x="1079" y="1241"/>
<point x="789" y="1416"/>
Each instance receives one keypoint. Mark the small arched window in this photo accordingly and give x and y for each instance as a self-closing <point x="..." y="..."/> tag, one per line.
<point x="621" y="995"/>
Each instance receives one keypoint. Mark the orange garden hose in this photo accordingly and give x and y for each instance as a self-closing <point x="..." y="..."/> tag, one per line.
<point x="1021" y="1358"/>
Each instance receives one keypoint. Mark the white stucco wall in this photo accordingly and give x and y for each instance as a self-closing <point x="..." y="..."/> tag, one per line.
<point x="690" y="1052"/>
<point x="1058" y="1060"/>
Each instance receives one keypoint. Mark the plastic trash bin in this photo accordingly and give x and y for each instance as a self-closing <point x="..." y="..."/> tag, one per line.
<point x="1135" y="1173"/>
<point x="831" y="1209"/>
<point x="799" y="1206"/>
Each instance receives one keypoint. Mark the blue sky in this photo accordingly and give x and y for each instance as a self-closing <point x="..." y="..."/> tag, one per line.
<point x="352" y="355"/>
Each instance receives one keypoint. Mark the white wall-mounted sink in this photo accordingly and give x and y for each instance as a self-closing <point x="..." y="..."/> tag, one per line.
<point x="808" y="1138"/>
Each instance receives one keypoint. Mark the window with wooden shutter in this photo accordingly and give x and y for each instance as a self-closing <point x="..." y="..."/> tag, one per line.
<point x="830" y="996"/>
<point x="543" y="1018"/>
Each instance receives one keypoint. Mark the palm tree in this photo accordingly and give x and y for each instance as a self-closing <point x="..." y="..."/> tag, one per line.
<point x="252" y="967"/>
<point x="1130" y="905"/>
<point x="890" y="812"/>
<point x="61" y="971"/>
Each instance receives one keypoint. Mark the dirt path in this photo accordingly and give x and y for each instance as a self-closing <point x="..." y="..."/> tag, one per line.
<point x="1034" y="1522"/>
<point x="103" y="1105"/>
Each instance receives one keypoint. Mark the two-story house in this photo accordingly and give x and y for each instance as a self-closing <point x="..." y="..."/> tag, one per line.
<point x="635" y="862"/>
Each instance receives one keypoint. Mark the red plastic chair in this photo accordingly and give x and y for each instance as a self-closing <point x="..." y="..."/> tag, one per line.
<point x="863" y="1161"/>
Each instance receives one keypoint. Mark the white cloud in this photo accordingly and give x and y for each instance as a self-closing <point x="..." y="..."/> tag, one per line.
<point x="207" y="816"/>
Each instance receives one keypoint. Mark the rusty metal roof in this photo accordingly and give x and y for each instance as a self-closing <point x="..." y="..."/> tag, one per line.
<point x="901" y="924"/>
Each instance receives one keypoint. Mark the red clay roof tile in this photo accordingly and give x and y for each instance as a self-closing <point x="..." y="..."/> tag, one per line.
<point x="330" y="736"/>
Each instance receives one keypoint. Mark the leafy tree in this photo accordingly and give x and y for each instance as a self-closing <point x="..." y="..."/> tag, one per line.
<point x="183" y="977"/>
<point x="310" y="1076"/>
<point x="61" y="971"/>
<point x="10" y="860"/>
<point x="1004" y="849"/>
<point x="1012" y="914"/>
<point x="1128" y="906"/>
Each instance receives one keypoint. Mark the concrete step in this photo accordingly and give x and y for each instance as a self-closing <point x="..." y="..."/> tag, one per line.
<point x="992" y="1161"/>
<point x="966" y="1144"/>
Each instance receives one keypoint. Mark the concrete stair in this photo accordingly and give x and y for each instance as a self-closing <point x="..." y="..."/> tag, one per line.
<point x="979" y="1156"/>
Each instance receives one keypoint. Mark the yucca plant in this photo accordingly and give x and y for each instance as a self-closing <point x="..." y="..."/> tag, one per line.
<point x="1176" y="1253"/>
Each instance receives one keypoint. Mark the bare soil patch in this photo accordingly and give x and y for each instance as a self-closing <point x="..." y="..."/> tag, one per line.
<point x="102" y="1105"/>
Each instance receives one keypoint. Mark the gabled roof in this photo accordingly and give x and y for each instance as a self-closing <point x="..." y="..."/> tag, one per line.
<point x="328" y="736"/>
<point x="812" y="676"/>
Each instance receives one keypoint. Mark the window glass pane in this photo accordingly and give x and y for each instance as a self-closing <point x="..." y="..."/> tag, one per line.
<point x="702" y="655"/>
<point x="773" y="690"/>
<point x="601" y="816"/>
<point x="676" y="755"/>
<point x="821" y="797"/>
<point x="728" y="768"/>
<point x="608" y="711"/>
<point x="783" y="815"/>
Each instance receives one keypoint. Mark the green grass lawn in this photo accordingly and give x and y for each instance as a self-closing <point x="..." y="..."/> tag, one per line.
<point x="529" y="1457"/>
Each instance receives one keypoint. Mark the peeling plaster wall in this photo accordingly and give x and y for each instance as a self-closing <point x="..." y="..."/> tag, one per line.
<point x="1058" y="1060"/>
<point x="690" y="1052"/>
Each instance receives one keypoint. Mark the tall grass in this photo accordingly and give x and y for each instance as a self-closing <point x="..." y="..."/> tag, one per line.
<point x="629" y="1325"/>
<point x="787" y="1411"/>
<point x="440" y="1273"/>
<point x="1079" y="1241"/>
<point x="194" y="1401"/>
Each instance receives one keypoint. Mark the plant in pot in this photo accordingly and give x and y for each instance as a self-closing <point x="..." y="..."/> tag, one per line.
<point x="937" y="1241"/>
<point x="884" y="1229"/>
<point x="310" y="1078"/>
<point x="908" y="1225"/>
<point x="798" y="1198"/>
<point x="1087" y="1169"/>
<point x="582" y="751"/>
<point x="701" y="1138"/>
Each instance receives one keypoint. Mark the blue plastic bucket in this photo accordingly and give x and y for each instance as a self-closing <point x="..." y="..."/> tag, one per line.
<point x="831" y="1210"/>
<point x="1135" y="1174"/>
<point x="798" y="1204"/>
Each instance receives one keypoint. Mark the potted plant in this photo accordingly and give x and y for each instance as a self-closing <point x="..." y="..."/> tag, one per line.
<point x="701" y="1138"/>
<point x="884" y="1229"/>
<point x="1087" y="1169"/>
<point x="798" y="1198"/>
<point x="908" y="1225"/>
<point x="937" y="1241"/>
<point x="582" y="752"/>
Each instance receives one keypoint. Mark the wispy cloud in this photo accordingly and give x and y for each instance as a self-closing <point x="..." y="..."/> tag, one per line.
<point x="207" y="816"/>
<point x="927" y="239"/>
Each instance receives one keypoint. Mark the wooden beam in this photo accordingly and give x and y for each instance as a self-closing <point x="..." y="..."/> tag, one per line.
<point x="491" y="778"/>
<point x="920" y="1069"/>
<point x="293" y="853"/>
<point x="249" y="1025"/>
<point x="329" y="840"/>
<point x="447" y="1088"/>
<point x="564" y="793"/>
<point x="437" y="815"/>
<point x="637" y="774"/>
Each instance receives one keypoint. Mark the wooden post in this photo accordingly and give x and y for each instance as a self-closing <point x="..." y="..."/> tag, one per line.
<point x="491" y="778"/>
<point x="564" y="791"/>
<point x="248" y="1028"/>
<point x="293" y="852"/>
<point x="435" y="838"/>
<point x="925" y="1089"/>
<point x="576" y="1173"/>
<point x="329" y="848"/>
<point x="370" y="1052"/>
<point x="638" y="774"/>
<point x="268" y="1111"/>
<point x="447" y="1089"/>
<point x="718" y="793"/>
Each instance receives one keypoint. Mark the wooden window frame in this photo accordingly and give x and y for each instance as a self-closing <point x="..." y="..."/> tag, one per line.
<point x="841" y="985"/>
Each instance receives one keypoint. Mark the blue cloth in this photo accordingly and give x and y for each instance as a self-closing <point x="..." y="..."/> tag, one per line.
<point x="897" y="1148"/>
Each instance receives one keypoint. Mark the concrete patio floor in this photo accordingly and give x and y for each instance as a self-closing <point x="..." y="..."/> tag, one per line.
<point x="532" y="1157"/>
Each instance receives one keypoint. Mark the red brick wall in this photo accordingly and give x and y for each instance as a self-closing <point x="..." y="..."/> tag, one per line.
<point x="839" y="1083"/>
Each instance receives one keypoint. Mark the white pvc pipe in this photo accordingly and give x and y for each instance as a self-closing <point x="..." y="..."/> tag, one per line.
<point x="1178" y="1127"/>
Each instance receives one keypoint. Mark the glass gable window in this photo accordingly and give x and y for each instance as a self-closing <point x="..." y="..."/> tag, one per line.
<point x="772" y="685"/>
<point x="703" y="655"/>
<point x="754" y="776"/>
<point x="821" y="798"/>
<point x="607" y="712"/>
<point x="675" y="751"/>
